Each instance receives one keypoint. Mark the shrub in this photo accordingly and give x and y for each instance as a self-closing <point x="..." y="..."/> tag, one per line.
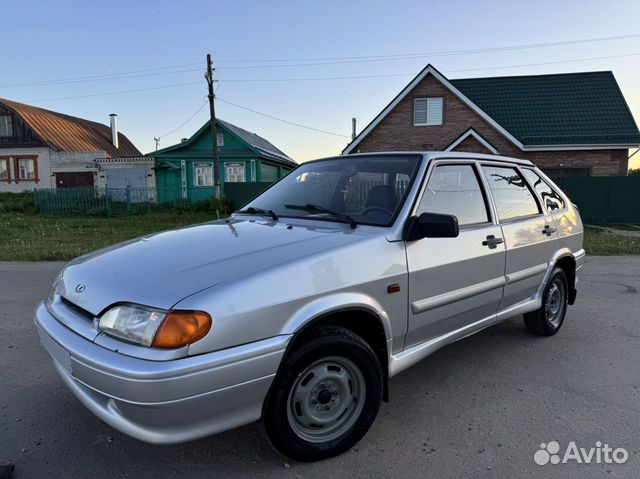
<point x="222" y="206"/>
<point x="17" y="202"/>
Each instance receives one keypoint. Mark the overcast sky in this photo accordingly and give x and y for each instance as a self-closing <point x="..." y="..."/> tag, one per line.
<point x="270" y="56"/>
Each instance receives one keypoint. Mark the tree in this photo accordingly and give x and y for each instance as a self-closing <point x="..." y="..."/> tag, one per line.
<point x="634" y="172"/>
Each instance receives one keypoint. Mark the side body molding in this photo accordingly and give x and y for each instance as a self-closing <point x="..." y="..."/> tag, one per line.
<point x="453" y="296"/>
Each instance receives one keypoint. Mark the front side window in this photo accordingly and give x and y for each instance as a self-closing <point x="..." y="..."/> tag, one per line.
<point x="511" y="194"/>
<point x="455" y="190"/>
<point x="26" y="169"/>
<point x="4" y="169"/>
<point x="202" y="174"/>
<point x="370" y="189"/>
<point x="234" y="172"/>
<point x="6" y="126"/>
<point x="551" y="199"/>
<point x="428" y="111"/>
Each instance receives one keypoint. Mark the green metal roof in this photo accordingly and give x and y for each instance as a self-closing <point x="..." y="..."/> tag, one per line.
<point x="254" y="145"/>
<point x="562" y="109"/>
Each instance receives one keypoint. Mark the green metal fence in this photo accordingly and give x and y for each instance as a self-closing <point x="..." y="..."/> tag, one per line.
<point x="101" y="201"/>
<point x="601" y="199"/>
<point x="605" y="199"/>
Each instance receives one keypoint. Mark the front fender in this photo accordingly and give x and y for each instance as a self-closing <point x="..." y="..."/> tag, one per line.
<point x="326" y="305"/>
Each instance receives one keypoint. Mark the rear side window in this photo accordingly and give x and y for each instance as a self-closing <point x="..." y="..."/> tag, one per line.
<point x="455" y="190"/>
<point x="551" y="199"/>
<point x="512" y="196"/>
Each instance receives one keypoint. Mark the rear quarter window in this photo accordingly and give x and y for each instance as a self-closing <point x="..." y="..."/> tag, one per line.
<point x="550" y="198"/>
<point x="511" y="194"/>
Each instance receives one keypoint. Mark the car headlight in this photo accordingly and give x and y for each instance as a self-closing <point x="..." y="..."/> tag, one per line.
<point x="155" y="328"/>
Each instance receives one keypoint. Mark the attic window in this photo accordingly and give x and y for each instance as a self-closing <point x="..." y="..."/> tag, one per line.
<point x="6" y="126"/>
<point x="220" y="139"/>
<point x="427" y="111"/>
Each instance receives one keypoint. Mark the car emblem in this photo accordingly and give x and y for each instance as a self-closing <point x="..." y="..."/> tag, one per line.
<point x="80" y="288"/>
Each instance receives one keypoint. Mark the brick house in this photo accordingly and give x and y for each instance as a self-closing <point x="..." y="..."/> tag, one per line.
<point x="574" y="124"/>
<point x="45" y="149"/>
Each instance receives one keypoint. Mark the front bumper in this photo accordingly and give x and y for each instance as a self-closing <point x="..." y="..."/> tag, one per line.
<point x="164" y="402"/>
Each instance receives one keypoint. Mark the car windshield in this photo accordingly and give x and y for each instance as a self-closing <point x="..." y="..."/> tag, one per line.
<point x="366" y="190"/>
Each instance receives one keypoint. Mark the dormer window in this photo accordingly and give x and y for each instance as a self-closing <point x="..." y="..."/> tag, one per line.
<point x="427" y="111"/>
<point x="6" y="126"/>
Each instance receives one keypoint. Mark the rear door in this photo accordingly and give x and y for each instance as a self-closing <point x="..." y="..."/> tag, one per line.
<point x="529" y="233"/>
<point x="455" y="282"/>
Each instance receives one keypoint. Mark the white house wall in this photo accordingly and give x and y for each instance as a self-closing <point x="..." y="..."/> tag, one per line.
<point x="49" y="163"/>
<point x="44" y="169"/>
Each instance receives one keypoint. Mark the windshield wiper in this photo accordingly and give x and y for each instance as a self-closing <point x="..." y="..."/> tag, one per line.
<point x="259" y="211"/>
<point x="321" y="209"/>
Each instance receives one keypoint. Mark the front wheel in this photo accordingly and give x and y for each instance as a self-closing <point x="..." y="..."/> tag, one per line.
<point x="325" y="397"/>
<point x="547" y="320"/>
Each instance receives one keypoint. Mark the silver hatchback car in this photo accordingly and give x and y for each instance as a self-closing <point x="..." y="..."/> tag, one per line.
<point x="299" y="307"/>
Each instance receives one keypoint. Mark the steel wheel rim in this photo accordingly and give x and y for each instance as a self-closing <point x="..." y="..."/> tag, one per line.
<point x="326" y="399"/>
<point x="554" y="305"/>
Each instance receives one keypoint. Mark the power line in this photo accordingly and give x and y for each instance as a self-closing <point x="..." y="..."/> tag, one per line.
<point x="120" y="92"/>
<point x="265" y="80"/>
<point x="391" y="75"/>
<point x="309" y="61"/>
<point x="427" y="54"/>
<point x="106" y="78"/>
<point x="281" y="120"/>
<point x="502" y="67"/>
<point x="445" y="52"/>
<point x="185" y="122"/>
<point x="544" y="63"/>
<point x="354" y="77"/>
<point x="96" y="77"/>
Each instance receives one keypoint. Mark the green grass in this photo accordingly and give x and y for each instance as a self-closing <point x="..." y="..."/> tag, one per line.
<point x="597" y="242"/>
<point x="624" y="227"/>
<point x="29" y="237"/>
<point x="32" y="237"/>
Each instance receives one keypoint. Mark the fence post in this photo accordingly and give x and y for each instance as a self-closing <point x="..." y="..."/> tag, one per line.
<point x="128" y="199"/>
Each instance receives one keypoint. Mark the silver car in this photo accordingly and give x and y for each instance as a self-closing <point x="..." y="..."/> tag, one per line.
<point x="299" y="307"/>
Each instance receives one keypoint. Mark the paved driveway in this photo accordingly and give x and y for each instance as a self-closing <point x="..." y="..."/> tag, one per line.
<point x="478" y="408"/>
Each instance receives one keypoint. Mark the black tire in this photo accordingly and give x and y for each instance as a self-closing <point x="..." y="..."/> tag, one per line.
<point x="283" y="411"/>
<point x="541" y="321"/>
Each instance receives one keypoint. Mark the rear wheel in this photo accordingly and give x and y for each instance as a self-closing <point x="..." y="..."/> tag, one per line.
<point x="547" y="320"/>
<point x="325" y="397"/>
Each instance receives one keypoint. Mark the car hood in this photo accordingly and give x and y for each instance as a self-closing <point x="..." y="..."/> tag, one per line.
<point x="161" y="269"/>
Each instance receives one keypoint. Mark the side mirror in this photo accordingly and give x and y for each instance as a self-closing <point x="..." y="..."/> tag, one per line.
<point x="432" y="225"/>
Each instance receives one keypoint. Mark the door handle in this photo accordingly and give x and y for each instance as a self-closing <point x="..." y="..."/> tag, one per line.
<point x="548" y="230"/>
<point x="492" y="242"/>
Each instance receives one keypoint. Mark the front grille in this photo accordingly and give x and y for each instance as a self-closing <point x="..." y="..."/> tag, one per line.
<point x="77" y="309"/>
<point x="74" y="317"/>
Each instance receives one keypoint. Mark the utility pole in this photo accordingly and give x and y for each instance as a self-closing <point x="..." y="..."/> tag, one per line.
<point x="214" y="134"/>
<point x="157" y="140"/>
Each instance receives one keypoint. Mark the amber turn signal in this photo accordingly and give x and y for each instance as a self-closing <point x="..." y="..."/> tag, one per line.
<point x="180" y="328"/>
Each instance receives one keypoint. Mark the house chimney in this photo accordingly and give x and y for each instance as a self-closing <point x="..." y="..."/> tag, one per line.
<point x="114" y="129"/>
<point x="353" y="128"/>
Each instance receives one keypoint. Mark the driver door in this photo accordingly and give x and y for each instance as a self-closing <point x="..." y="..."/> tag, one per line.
<point x="455" y="282"/>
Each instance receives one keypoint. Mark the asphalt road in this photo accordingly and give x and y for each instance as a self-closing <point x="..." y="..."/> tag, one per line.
<point x="478" y="408"/>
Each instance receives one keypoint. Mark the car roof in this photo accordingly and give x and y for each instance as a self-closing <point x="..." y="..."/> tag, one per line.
<point x="440" y="155"/>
